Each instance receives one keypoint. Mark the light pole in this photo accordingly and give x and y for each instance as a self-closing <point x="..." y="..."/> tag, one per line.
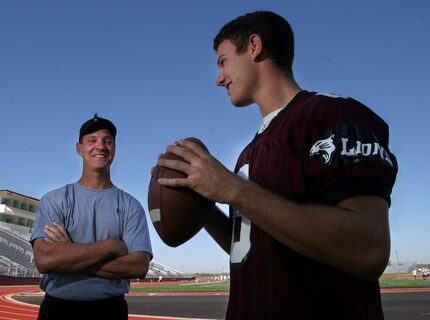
<point x="397" y="255"/>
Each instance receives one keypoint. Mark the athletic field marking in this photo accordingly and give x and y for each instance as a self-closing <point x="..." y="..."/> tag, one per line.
<point x="11" y="309"/>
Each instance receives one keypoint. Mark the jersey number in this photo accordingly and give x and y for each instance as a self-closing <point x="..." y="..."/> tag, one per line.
<point x="241" y="241"/>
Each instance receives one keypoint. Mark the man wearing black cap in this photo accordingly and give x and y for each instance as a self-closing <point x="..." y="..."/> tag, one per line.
<point x="90" y="237"/>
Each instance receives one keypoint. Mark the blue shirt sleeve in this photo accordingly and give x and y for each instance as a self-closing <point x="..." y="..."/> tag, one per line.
<point x="136" y="233"/>
<point x="51" y="209"/>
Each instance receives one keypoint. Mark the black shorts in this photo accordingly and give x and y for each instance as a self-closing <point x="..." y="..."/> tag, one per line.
<point x="61" y="309"/>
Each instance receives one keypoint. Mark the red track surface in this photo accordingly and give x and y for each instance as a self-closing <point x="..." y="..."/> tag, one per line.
<point x="11" y="309"/>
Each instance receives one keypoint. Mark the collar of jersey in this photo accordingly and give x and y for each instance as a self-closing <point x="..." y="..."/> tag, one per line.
<point x="272" y="115"/>
<point x="267" y="119"/>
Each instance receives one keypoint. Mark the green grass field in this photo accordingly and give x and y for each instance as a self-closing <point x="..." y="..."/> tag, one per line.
<point x="392" y="281"/>
<point x="184" y="287"/>
<point x="403" y="281"/>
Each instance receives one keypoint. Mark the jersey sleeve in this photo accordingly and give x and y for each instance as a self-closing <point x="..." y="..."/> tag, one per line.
<point x="347" y="152"/>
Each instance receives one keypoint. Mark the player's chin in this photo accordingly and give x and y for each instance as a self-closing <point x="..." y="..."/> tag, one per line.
<point x="239" y="103"/>
<point x="102" y="165"/>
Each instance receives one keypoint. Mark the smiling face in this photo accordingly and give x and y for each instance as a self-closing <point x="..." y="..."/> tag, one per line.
<point x="237" y="74"/>
<point x="97" y="150"/>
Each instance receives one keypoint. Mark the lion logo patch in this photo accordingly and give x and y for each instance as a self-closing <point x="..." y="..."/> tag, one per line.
<point x="323" y="148"/>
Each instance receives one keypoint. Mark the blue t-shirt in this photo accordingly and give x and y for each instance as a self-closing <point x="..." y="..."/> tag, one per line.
<point x="90" y="215"/>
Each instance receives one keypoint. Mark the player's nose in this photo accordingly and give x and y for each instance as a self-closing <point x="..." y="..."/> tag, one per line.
<point x="100" y="145"/>
<point x="220" y="79"/>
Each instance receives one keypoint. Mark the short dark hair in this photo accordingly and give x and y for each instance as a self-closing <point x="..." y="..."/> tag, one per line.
<point x="274" y="30"/>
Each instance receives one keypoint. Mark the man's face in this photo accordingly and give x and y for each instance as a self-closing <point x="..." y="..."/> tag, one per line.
<point x="237" y="73"/>
<point x="97" y="149"/>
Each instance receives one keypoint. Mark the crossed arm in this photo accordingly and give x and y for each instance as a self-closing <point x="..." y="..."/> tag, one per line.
<point x="105" y="258"/>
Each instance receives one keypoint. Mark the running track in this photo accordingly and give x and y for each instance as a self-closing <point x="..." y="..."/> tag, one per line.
<point x="11" y="309"/>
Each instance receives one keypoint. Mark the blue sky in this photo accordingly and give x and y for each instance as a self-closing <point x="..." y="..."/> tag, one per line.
<point x="150" y="68"/>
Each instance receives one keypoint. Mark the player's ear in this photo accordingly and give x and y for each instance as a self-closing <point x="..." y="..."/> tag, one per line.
<point x="79" y="148"/>
<point x="255" y="47"/>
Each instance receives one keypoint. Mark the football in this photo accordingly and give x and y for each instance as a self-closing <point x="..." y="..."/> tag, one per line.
<point x="177" y="214"/>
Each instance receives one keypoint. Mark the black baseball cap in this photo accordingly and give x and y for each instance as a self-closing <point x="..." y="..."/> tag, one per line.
<point x="97" y="123"/>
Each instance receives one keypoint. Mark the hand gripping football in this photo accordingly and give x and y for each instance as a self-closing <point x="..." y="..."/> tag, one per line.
<point x="177" y="214"/>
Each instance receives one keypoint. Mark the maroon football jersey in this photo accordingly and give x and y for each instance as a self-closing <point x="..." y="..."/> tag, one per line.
<point x="319" y="149"/>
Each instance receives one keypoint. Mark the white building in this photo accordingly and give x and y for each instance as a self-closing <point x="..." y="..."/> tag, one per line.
<point x="17" y="211"/>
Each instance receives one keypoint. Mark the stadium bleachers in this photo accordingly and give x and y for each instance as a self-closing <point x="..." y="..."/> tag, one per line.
<point x="157" y="269"/>
<point x="403" y="267"/>
<point x="16" y="255"/>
